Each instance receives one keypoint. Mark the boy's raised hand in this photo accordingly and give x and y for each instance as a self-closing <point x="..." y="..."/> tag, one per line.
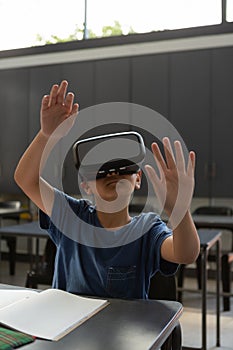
<point x="174" y="184"/>
<point x="57" y="107"/>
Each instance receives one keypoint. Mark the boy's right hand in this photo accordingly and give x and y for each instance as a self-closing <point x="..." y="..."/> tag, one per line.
<point x="56" y="107"/>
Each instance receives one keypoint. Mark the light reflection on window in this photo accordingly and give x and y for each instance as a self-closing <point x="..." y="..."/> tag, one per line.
<point x="151" y="15"/>
<point x="229" y="11"/>
<point x="27" y="23"/>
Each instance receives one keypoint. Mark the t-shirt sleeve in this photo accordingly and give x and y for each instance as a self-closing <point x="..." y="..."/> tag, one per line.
<point x="46" y="224"/>
<point x="53" y="224"/>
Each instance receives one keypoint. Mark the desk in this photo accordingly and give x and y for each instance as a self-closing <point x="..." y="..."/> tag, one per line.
<point x="224" y="223"/>
<point x="29" y="230"/>
<point x="122" y="325"/>
<point x="208" y="238"/>
<point x="11" y="211"/>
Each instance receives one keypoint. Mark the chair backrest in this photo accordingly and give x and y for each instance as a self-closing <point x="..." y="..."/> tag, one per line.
<point x="163" y="287"/>
<point x="49" y="257"/>
<point x="213" y="210"/>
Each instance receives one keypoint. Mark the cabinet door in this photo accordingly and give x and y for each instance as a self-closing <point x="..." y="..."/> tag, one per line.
<point x="190" y="109"/>
<point x="112" y="80"/>
<point x="222" y="122"/>
<point x="80" y="76"/>
<point x="150" y="82"/>
<point x="13" y="125"/>
<point x="41" y="81"/>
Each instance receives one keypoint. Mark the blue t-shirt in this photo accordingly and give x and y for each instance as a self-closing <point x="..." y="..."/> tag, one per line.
<point x="91" y="260"/>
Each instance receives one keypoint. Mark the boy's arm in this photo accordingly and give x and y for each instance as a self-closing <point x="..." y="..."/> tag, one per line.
<point x="55" y="108"/>
<point x="174" y="188"/>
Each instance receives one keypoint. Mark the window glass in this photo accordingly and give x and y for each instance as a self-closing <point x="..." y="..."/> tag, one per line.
<point x="28" y="23"/>
<point x="150" y="15"/>
<point x="229" y="12"/>
<point x="25" y="23"/>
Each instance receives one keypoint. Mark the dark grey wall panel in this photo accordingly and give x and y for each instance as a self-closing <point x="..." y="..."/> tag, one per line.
<point x="81" y="82"/>
<point x="112" y="80"/>
<point x="13" y="125"/>
<point x="222" y="122"/>
<point x="149" y="82"/>
<point x="190" y="108"/>
<point x="80" y="76"/>
<point x="41" y="81"/>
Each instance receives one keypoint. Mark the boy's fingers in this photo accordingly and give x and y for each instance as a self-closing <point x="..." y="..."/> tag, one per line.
<point x="158" y="156"/>
<point x="61" y="93"/>
<point x="75" y="108"/>
<point x="53" y="95"/>
<point x="191" y="163"/>
<point x="168" y="153"/>
<point x="69" y="100"/>
<point x="45" y="101"/>
<point x="179" y="156"/>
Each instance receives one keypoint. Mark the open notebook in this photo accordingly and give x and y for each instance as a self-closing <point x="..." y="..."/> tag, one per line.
<point x="49" y="314"/>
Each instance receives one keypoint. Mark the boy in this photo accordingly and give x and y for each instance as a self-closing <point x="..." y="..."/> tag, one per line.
<point x="119" y="270"/>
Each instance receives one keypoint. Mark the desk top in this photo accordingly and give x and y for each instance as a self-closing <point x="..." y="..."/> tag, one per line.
<point x="122" y="325"/>
<point x="10" y="211"/>
<point x="208" y="237"/>
<point x="214" y="221"/>
<point x="29" y="229"/>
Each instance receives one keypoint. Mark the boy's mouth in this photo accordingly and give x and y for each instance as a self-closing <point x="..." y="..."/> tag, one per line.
<point x="112" y="181"/>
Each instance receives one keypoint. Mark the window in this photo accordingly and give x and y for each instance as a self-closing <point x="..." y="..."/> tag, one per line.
<point x="27" y="23"/>
<point x="229" y="11"/>
<point x="151" y="15"/>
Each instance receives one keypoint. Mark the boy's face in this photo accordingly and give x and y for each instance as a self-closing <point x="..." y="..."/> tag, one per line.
<point x="114" y="187"/>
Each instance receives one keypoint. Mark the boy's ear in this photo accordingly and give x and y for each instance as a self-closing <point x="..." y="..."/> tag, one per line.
<point x="86" y="187"/>
<point x="138" y="180"/>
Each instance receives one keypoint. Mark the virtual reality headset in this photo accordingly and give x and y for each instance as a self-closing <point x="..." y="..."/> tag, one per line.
<point x="121" y="153"/>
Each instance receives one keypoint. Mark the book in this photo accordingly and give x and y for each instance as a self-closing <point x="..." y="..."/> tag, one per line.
<point x="50" y="314"/>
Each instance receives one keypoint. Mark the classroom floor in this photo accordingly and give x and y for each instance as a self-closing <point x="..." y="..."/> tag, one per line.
<point x="190" y="320"/>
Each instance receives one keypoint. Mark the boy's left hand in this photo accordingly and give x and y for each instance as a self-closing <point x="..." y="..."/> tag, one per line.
<point x="175" y="183"/>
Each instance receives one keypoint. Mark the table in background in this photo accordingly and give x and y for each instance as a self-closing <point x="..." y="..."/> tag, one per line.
<point x="122" y="325"/>
<point x="209" y="238"/>
<point x="11" y="211"/>
<point x="223" y="222"/>
<point x="29" y="230"/>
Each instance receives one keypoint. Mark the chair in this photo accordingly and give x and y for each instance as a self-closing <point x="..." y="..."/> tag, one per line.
<point x="226" y="258"/>
<point x="164" y="288"/>
<point x="43" y="273"/>
<point x="11" y="241"/>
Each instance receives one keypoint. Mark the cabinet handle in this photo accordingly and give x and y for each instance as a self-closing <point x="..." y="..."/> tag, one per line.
<point x="213" y="170"/>
<point x="210" y="171"/>
<point x="206" y="171"/>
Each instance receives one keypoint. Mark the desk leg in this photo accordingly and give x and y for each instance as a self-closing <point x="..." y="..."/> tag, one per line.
<point x="37" y="253"/>
<point x="0" y="249"/>
<point x="204" y="281"/>
<point x="30" y="252"/>
<point x="218" y="278"/>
